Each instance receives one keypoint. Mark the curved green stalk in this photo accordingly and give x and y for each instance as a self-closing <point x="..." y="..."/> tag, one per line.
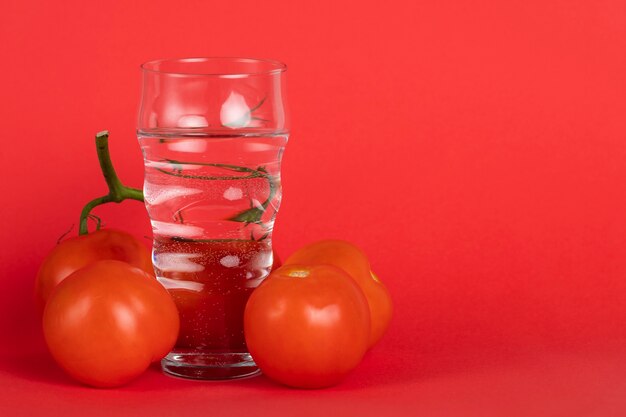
<point x="118" y="192"/>
<point x="251" y="215"/>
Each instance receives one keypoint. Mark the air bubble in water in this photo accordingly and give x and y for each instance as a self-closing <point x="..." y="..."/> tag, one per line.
<point x="230" y="261"/>
<point x="233" y="193"/>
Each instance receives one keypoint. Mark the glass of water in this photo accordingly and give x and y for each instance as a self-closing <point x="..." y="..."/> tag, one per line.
<point x="212" y="132"/>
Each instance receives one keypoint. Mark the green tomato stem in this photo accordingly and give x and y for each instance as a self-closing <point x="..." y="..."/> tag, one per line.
<point x="118" y="192"/>
<point x="251" y="215"/>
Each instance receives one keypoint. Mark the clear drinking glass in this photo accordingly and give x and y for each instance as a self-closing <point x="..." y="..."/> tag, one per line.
<point x="212" y="132"/>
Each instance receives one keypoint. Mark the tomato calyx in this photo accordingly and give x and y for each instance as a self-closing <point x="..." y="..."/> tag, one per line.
<point x="298" y="272"/>
<point x="118" y="192"/>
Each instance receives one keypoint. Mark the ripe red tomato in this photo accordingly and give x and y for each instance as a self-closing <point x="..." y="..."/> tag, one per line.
<point x="351" y="259"/>
<point x="307" y="326"/>
<point x="105" y="323"/>
<point x="77" y="252"/>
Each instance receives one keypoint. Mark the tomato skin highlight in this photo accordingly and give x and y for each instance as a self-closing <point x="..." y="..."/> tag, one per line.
<point x="354" y="262"/>
<point x="105" y="323"/>
<point x="307" y="326"/>
<point x="80" y="251"/>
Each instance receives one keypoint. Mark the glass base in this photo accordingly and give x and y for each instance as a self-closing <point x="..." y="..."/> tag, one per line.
<point x="195" y="364"/>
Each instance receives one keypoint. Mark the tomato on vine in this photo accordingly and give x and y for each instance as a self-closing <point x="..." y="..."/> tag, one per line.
<point x="105" y="316"/>
<point x="78" y="252"/>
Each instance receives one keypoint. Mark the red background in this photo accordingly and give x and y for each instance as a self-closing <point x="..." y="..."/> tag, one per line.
<point x="475" y="149"/>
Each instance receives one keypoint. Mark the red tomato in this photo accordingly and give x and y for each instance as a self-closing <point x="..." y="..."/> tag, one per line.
<point x="77" y="252"/>
<point x="351" y="259"/>
<point x="307" y="326"/>
<point x="105" y="323"/>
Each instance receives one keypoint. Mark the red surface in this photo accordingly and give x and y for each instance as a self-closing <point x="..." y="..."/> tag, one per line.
<point x="475" y="149"/>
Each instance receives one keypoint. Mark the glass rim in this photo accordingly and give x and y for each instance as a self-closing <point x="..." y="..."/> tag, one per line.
<point x="278" y="66"/>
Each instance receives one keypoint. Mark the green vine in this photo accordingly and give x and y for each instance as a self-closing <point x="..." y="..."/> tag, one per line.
<point x="117" y="191"/>
<point x="251" y="215"/>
